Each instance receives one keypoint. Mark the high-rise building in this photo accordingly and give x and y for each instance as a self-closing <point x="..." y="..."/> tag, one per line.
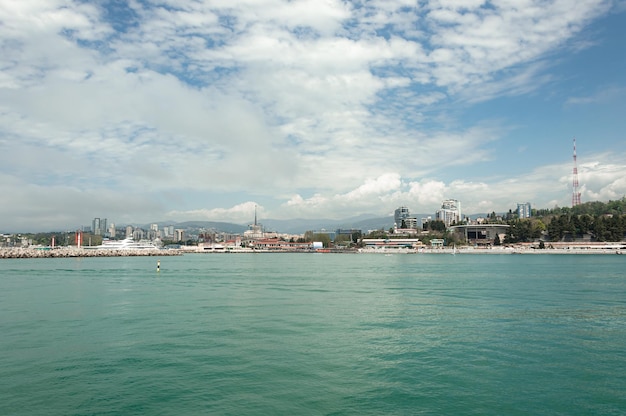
<point x="112" y="230"/>
<point x="410" y="223"/>
<point x="99" y="226"/>
<point x="402" y="213"/>
<point x="138" y="234"/>
<point x="524" y="210"/>
<point x="450" y="212"/>
<point x="95" y="226"/>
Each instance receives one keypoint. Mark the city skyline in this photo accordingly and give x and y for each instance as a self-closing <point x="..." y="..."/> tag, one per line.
<point x="182" y="111"/>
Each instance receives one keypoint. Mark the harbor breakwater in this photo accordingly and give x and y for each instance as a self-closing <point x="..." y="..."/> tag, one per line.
<point x="61" y="252"/>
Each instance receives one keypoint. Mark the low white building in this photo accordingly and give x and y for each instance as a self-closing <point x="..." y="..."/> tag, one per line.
<point x="391" y="243"/>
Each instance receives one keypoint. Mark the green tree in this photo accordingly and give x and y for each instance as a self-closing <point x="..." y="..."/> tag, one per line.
<point x="599" y="229"/>
<point x="557" y="227"/>
<point x="437" y="225"/>
<point x="343" y="240"/>
<point x="378" y="234"/>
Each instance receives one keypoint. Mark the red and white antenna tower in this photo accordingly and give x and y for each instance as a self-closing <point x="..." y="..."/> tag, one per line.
<point x="576" y="193"/>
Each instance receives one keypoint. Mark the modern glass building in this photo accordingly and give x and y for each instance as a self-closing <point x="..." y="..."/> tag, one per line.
<point x="401" y="213"/>
<point x="524" y="210"/>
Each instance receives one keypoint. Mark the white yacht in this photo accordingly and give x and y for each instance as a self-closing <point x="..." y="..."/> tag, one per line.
<point x="126" y="244"/>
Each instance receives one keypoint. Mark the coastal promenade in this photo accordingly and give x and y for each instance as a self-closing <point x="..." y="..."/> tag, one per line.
<point x="530" y="251"/>
<point x="497" y="250"/>
<point x="61" y="252"/>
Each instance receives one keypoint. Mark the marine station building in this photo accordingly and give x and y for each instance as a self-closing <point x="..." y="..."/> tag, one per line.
<point x="480" y="234"/>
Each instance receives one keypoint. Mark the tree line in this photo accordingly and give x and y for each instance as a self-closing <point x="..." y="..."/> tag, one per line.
<point x="599" y="220"/>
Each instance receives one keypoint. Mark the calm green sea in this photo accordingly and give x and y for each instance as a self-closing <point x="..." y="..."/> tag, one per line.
<point x="314" y="334"/>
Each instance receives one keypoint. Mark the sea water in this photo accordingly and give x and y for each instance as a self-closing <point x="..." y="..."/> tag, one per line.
<point x="314" y="334"/>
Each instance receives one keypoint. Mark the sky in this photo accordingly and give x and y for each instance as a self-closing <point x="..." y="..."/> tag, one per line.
<point x="174" y="110"/>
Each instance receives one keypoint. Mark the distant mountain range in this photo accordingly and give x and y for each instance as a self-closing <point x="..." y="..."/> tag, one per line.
<point x="226" y="227"/>
<point x="297" y="226"/>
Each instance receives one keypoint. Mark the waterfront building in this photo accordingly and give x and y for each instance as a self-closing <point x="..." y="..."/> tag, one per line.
<point x="480" y="234"/>
<point x="437" y="242"/>
<point x="331" y="234"/>
<point x="255" y="230"/>
<point x="353" y="233"/>
<point x="348" y="231"/>
<point x="382" y="244"/>
<point x="129" y="231"/>
<point x="276" y="244"/>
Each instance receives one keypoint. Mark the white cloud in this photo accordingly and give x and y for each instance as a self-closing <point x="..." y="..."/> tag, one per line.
<point x="238" y="214"/>
<point x="269" y="98"/>
<point x="607" y="94"/>
<point x="545" y="186"/>
<point x="603" y="181"/>
<point x="373" y="188"/>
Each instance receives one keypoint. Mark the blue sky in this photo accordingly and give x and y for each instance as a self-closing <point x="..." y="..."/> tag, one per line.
<point x="150" y="110"/>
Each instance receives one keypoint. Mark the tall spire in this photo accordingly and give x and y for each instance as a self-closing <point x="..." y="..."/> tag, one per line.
<point x="576" y="193"/>
<point x="255" y="215"/>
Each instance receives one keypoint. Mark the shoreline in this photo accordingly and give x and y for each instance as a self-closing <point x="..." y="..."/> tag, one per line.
<point x="497" y="251"/>
<point x="66" y="252"/>
<point x="528" y="251"/>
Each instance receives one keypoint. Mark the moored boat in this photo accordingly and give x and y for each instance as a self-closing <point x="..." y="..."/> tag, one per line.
<point x="125" y="244"/>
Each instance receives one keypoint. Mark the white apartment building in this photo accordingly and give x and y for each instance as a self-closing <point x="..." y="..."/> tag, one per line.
<point x="450" y="212"/>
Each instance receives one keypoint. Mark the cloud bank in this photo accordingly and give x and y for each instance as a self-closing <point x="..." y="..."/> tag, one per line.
<point x="144" y="110"/>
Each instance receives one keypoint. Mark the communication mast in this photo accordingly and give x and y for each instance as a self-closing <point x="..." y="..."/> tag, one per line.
<point x="576" y="193"/>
